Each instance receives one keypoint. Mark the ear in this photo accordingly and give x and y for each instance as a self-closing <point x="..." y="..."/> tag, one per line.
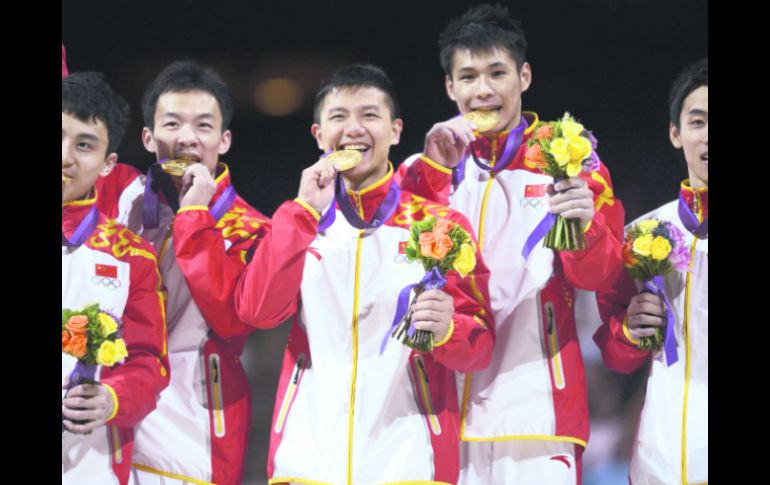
<point x="674" y="135"/>
<point x="109" y="164"/>
<point x="395" y="131"/>
<point x="225" y="142"/>
<point x="148" y="140"/>
<point x="525" y="76"/>
<point x="450" y="91"/>
<point x="315" y="130"/>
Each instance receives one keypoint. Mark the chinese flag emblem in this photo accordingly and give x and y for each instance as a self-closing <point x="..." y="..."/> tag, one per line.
<point x="402" y="247"/>
<point x="106" y="270"/>
<point x="534" y="190"/>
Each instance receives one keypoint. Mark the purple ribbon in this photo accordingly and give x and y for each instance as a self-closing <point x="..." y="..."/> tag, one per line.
<point x="151" y="203"/>
<point x="538" y="233"/>
<point x="223" y="204"/>
<point x="432" y="280"/>
<point x="383" y="212"/>
<point x="86" y="227"/>
<point x="657" y="285"/>
<point x="512" y="145"/>
<point x="690" y="221"/>
<point x="82" y="373"/>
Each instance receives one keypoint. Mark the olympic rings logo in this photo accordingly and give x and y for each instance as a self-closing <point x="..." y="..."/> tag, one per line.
<point x="532" y="202"/>
<point x="401" y="259"/>
<point x="109" y="283"/>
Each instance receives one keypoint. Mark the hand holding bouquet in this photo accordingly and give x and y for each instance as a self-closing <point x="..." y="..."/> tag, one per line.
<point x="440" y="245"/>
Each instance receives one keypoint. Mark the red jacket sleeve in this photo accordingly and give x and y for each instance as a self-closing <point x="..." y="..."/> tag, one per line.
<point x="424" y="177"/>
<point x="619" y="352"/>
<point x="472" y="335"/>
<point x="211" y="272"/>
<point x="138" y="381"/>
<point x="268" y="290"/>
<point x="597" y="266"/>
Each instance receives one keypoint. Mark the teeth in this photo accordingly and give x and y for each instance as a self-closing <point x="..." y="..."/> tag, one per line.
<point x="355" y="147"/>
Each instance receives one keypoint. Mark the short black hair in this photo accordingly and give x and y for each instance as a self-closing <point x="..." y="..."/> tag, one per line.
<point x="185" y="76"/>
<point x="480" y="30"/>
<point x="688" y="80"/>
<point x="353" y="77"/>
<point x="88" y="97"/>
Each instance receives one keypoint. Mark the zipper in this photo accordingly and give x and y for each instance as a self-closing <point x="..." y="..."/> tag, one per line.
<point x="291" y="390"/>
<point x="423" y="391"/>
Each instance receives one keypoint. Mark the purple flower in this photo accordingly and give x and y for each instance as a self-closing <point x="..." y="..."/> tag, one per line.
<point x="680" y="254"/>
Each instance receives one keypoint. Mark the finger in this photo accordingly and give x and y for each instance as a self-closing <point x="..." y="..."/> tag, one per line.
<point x="643" y="319"/>
<point x="569" y="183"/>
<point x="642" y="332"/>
<point x="430" y="316"/>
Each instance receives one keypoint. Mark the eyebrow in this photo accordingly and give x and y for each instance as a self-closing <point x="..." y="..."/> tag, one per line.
<point x="698" y="111"/>
<point x="494" y="65"/>
<point x="88" y="136"/>
<point x="177" y="115"/>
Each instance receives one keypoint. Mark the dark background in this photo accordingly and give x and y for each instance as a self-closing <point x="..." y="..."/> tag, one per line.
<point x="608" y="62"/>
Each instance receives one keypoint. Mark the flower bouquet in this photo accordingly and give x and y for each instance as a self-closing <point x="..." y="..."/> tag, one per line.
<point x="652" y="249"/>
<point x="440" y="245"/>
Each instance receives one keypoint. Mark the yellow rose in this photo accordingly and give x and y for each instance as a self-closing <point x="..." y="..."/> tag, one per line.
<point x="107" y="354"/>
<point x="559" y="151"/>
<point x="660" y="248"/>
<point x="120" y="344"/>
<point x="465" y="261"/>
<point x="643" y="245"/>
<point x="570" y="127"/>
<point x="107" y="324"/>
<point x="647" y="225"/>
<point x="579" y="148"/>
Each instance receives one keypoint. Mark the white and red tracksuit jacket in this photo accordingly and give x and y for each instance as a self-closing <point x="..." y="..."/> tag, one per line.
<point x="344" y="414"/>
<point x="534" y="389"/>
<point x="116" y="269"/>
<point x="200" y="428"/>
<point x="671" y="445"/>
<point x="118" y="191"/>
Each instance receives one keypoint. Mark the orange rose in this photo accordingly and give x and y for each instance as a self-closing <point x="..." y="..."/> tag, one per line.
<point x="443" y="226"/>
<point x="65" y="339"/>
<point x="628" y="254"/>
<point x="535" y="155"/>
<point x="442" y="246"/>
<point x="78" y="345"/>
<point x="77" y="324"/>
<point x="426" y="244"/>
<point x="544" y="132"/>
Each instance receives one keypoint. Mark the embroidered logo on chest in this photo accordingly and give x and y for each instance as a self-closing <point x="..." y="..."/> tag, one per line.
<point x="106" y="275"/>
<point x="534" y="197"/>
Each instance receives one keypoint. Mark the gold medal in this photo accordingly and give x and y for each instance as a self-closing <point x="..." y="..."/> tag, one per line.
<point x="65" y="179"/>
<point x="484" y="120"/>
<point x="176" y="167"/>
<point x="344" y="159"/>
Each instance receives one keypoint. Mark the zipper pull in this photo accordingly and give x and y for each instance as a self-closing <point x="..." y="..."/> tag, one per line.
<point x="300" y="363"/>
<point x="422" y="369"/>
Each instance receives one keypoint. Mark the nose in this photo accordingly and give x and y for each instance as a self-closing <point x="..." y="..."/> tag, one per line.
<point x="354" y="128"/>
<point x="706" y="134"/>
<point x="67" y="153"/>
<point x="186" y="136"/>
<point x="484" y="88"/>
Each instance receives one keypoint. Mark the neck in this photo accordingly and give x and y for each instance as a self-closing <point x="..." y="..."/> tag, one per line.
<point x="515" y="121"/>
<point x="357" y="183"/>
<point x="696" y="183"/>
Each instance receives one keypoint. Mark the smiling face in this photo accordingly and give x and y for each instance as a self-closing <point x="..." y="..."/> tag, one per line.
<point x="84" y="155"/>
<point x="358" y="119"/>
<point x="489" y="81"/>
<point x="692" y="136"/>
<point x="188" y="125"/>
